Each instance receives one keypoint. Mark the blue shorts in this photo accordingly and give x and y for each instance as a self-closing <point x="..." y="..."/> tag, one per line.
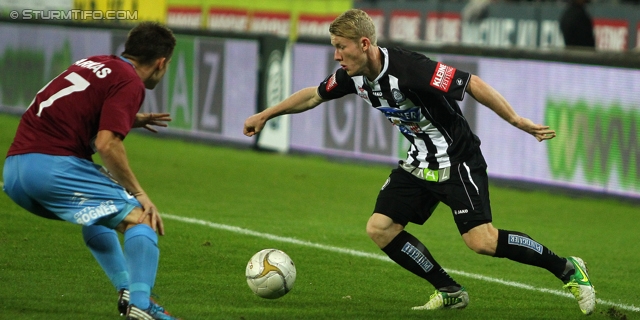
<point x="66" y="188"/>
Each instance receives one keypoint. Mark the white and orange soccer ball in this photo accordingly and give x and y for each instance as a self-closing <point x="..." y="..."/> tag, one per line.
<point x="271" y="273"/>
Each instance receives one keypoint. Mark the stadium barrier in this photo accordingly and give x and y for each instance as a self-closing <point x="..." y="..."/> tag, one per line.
<point x="217" y="80"/>
<point x="501" y="24"/>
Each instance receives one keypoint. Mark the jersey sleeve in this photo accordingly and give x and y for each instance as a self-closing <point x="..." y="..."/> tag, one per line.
<point x="337" y="85"/>
<point x="121" y="106"/>
<point x="439" y="78"/>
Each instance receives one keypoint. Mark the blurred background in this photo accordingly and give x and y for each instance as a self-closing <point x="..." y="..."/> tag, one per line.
<point x="573" y="65"/>
<point x="490" y="23"/>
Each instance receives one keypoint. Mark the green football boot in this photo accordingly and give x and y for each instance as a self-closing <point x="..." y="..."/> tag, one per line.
<point x="580" y="286"/>
<point x="446" y="300"/>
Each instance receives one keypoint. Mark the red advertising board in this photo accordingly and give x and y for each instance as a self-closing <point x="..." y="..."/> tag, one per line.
<point x="227" y="19"/>
<point x="310" y="25"/>
<point x="184" y="17"/>
<point x="443" y="27"/>
<point x="611" y="34"/>
<point x="271" y="22"/>
<point x="377" y="15"/>
<point x="404" y="25"/>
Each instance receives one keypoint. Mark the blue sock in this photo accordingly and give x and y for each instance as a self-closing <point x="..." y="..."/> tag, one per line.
<point x="105" y="247"/>
<point x="141" y="251"/>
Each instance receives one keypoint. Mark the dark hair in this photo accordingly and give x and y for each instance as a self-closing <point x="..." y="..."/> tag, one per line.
<point x="149" y="41"/>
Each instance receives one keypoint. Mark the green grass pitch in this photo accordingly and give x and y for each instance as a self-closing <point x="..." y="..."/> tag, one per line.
<point x="222" y="205"/>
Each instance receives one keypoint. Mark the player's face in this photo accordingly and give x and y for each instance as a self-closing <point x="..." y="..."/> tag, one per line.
<point x="157" y="75"/>
<point x="349" y="54"/>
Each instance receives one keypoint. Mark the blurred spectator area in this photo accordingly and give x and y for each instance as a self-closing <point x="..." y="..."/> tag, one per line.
<point x="519" y="24"/>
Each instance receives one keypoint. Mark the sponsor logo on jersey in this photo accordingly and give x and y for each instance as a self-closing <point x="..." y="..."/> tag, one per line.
<point x="517" y="240"/>
<point x="89" y="214"/>
<point x="331" y="83"/>
<point x="377" y="93"/>
<point x="408" y="115"/>
<point x="398" y="96"/>
<point x="363" y="93"/>
<point x="442" y="77"/>
<point x="414" y="127"/>
<point x="459" y="81"/>
<point x="462" y="211"/>
<point x="79" y="198"/>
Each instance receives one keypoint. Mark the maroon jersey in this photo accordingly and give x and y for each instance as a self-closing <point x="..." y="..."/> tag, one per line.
<point x="93" y="94"/>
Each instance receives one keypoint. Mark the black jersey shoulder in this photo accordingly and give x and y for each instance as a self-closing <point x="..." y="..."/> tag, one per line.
<point x="419" y="73"/>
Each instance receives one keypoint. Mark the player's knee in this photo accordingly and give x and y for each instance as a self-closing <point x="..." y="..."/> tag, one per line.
<point x="482" y="239"/>
<point x="374" y="232"/>
<point x="126" y="225"/>
<point x="477" y="247"/>
<point x="481" y="245"/>
<point x="382" y="229"/>
<point x="133" y="219"/>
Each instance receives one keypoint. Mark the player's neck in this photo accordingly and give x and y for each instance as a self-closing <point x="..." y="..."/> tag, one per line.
<point x="143" y="71"/>
<point x="374" y="65"/>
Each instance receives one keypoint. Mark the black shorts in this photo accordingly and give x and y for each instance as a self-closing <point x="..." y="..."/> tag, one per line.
<point x="406" y="198"/>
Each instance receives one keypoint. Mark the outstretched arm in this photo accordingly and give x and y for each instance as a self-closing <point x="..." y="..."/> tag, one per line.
<point x="147" y="120"/>
<point x="492" y="99"/>
<point x="300" y="101"/>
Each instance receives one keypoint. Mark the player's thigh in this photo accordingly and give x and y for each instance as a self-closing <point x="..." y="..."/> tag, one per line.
<point x="467" y="194"/>
<point x="75" y="190"/>
<point x="404" y="198"/>
<point x="14" y="186"/>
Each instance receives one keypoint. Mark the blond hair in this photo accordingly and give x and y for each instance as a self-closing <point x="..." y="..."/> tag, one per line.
<point x="354" y="24"/>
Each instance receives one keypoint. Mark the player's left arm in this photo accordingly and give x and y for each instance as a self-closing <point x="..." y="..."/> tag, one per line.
<point x="491" y="98"/>
<point x="110" y="147"/>
<point x="148" y="120"/>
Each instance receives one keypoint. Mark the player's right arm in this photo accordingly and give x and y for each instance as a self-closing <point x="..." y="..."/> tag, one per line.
<point x="300" y="101"/>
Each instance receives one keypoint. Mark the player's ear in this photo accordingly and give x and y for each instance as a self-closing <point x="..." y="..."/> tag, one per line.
<point x="162" y="63"/>
<point x="365" y="43"/>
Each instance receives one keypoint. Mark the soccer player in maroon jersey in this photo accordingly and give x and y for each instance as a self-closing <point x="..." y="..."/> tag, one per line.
<point x="90" y="108"/>
<point x="444" y="162"/>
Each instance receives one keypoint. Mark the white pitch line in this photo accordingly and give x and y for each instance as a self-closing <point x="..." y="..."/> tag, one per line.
<point x="384" y="258"/>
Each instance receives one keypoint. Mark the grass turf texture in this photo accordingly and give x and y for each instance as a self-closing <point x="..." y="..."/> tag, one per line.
<point x="47" y="273"/>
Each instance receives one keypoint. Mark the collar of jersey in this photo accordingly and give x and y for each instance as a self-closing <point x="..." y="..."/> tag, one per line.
<point x="127" y="61"/>
<point x="385" y="65"/>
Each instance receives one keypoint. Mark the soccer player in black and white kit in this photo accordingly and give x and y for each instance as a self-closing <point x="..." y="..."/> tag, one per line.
<point x="444" y="163"/>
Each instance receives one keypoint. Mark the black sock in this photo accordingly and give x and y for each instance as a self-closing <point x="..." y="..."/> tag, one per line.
<point x="411" y="254"/>
<point x="521" y="248"/>
<point x="569" y="270"/>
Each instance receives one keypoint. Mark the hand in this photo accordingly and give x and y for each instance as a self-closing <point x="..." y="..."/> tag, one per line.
<point x="253" y="125"/>
<point x="146" y="120"/>
<point x="150" y="210"/>
<point x="539" y="131"/>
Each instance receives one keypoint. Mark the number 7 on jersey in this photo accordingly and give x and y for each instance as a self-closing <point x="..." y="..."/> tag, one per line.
<point x="78" y="83"/>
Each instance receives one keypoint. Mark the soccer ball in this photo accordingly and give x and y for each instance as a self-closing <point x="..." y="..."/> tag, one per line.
<point x="270" y="273"/>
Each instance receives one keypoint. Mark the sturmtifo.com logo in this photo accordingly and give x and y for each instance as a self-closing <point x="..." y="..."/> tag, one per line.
<point x="74" y="14"/>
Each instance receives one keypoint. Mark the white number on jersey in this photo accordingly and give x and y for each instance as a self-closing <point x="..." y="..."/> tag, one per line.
<point x="78" y="83"/>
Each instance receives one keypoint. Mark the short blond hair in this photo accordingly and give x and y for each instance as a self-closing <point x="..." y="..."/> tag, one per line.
<point x="354" y="24"/>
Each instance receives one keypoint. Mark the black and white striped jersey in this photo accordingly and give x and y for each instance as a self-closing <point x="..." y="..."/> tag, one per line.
<point x="418" y="95"/>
